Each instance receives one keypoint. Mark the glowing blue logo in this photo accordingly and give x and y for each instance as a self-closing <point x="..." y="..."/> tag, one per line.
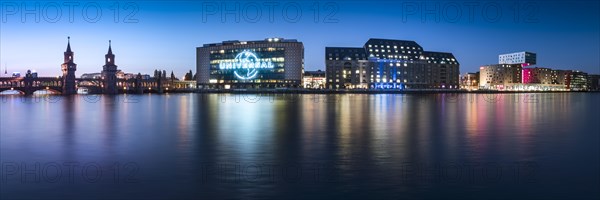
<point x="245" y="65"/>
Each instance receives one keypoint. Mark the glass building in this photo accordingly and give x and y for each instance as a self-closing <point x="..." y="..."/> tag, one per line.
<point x="524" y="58"/>
<point x="269" y="63"/>
<point x="577" y="81"/>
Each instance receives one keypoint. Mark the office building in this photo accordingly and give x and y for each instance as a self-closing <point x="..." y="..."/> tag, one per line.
<point x="269" y="63"/>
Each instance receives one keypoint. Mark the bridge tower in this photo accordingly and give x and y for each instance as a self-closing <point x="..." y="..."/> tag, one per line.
<point x="109" y="73"/>
<point x="68" y="69"/>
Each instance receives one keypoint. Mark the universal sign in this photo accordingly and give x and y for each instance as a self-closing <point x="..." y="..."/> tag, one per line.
<point x="245" y="65"/>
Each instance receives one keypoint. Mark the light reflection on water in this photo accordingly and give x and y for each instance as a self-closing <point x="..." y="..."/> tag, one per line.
<point x="302" y="146"/>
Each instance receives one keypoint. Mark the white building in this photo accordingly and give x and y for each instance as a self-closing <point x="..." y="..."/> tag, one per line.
<point x="269" y="63"/>
<point x="524" y="58"/>
<point x="500" y="77"/>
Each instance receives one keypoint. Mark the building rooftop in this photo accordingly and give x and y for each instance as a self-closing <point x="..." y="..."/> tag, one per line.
<point x="317" y="73"/>
<point x="237" y="42"/>
<point x="518" y="52"/>
<point x="378" y="41"/>
<point x="345" y="52"/>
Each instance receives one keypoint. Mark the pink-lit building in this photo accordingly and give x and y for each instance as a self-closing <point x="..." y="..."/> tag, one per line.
<point x="538" y="75"/>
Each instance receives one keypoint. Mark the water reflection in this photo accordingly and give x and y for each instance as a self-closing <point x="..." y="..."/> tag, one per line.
<point x="360" y="146"/>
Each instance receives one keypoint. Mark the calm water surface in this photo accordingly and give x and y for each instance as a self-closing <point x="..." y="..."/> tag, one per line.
<point x="221" y="146"/>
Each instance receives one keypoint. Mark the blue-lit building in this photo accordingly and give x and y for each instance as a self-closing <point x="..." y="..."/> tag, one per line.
<point x="390" y="64"/>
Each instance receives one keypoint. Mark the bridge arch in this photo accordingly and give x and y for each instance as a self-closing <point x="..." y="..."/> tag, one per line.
<point x="51" y="90"/>
<point x="9" y="91"/>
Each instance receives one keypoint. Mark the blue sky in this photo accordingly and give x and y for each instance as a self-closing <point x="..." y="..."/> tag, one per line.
<point x="148" y="35"/>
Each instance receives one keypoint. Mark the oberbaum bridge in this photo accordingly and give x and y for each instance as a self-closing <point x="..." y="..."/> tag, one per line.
<point x="67" y="84"/>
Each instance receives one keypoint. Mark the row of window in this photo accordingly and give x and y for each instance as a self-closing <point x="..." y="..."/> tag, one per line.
<point x="267" y="49"/>
<point x="250" y="81"/>
<point x="395" y="47"/>
<point x="395" y="51"/>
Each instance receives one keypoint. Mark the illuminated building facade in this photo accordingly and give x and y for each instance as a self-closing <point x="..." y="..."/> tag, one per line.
<point x="119" y="74"/>
<point x="91" y="76"/>
<point x="523" y="58"/>
<point x="314" y="79"/>
<point x="500" y="76"/>
<point x="390" y="64"/>
<point x="571" y="80"/>
<point x="560" y="76"/>
<point x="576" y="80"/>
<point x="269" y="63"/>
<point x="543" y="79"/>
<point x="346" y="68"/>
<point x="538" y="76"/>
<point x="515" y="73"/>
<point x="469" y="81"/>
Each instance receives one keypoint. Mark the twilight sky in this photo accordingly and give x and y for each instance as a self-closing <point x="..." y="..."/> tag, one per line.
<point x="148" y="35"/>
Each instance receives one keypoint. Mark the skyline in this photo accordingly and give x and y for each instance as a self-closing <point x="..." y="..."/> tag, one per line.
<point x="158" y="34"/>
